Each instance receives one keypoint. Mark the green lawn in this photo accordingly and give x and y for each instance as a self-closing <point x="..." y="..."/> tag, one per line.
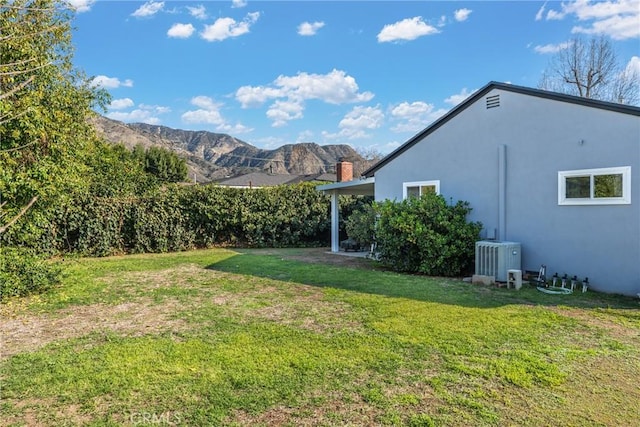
<point x="223" y="337"/>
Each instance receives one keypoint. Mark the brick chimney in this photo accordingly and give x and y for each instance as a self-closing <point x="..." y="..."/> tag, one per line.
<point x="344" y="171"/>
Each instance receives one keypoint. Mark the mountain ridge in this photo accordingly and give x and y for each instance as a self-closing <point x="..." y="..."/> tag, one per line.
<point x="213" y="156"/>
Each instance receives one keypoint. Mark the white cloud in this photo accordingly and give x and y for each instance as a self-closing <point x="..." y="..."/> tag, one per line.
<point x="586" y="9"/>
<point x="407" y="29"/>
<point x="80" y="5"/>
<point x="356" y="122"/>
<point x="150" y="8"/>
<point x="254" y="96"/>
<point x="309" y="28"/>
<point x="617" y="27"/>
<point x="462" y="14"/>
<point x="208" y="112"/>
<point x="383" y="148"/>
<point x="236" y="129"/>
<point x="121" y="104"/>
<point x="181" y="31"/>
<point x="540" y="13"/>
<point x="205" y="102"/>
<point x="238" y="3"/>
<point x="111" y="82"/>
<point x="224" y="28"/>
<point x="617" y="19"/>
<point x="415" y="116"/>
<point x="137" y="116"/>
<point x="305" y="136"/>
<point x="633" y="66"/>
<point x="144" y="114"/>
<point x="459" y="97"/>
<point x="198" y="12"/>
<point x="271" y="142"/>
<point x="553" y="15"/>
<point x="335" y="87"/>
<point x="359" y="119"/>
<point x="363" y="118"/>
<point x="203" y="116"/>
<point x="282" y="111"/>
<point x="551" y="48"/>
<point x="157" y="109"/>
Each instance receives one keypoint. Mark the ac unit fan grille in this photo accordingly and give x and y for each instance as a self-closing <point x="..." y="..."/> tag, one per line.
<point x="496" y="258"/>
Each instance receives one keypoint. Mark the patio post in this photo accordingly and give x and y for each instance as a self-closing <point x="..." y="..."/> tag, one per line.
<point x="335" y="222"/>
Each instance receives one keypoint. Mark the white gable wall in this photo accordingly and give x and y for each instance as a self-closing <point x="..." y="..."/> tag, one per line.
<point x="540" y="137"/>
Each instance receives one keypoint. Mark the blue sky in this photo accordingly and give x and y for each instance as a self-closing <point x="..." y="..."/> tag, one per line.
<point x="370" y="74"/>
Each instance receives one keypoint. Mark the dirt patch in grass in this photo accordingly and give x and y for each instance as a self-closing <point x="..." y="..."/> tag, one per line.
<point x="296" y="306"/>
<point x="31" y="332"/>
<point x="589" y="389"/>
<point x="335" y="411"/>
<point x="348" y="408"/>
<point x="323" y="256"/>
<point x="32" y="410"/>
<point x="22" y="331"/>
<point x="608" y="321"/>
<point x="307" y="310"/>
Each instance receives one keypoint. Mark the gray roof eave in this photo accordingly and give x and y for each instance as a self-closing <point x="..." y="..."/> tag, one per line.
<point x="363" y="186"/>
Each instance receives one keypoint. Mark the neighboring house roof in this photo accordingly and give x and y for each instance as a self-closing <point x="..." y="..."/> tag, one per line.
<point x="619" y="108"/>
<point x="329" y="177"/>
<point x="324" y="177"/>
<point x="263" y="179"/>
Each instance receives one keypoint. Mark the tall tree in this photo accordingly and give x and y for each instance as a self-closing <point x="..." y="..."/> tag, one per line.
<point x="44" y="106"/>
<point x="165" y="164"/>
<point x="590" y="69"/>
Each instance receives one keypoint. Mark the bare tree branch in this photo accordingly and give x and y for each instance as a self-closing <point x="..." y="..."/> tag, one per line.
<point x="8" y="117"/>
<point x="30" y="34"/>
<point x="16" y="63"/>
<point x="19" y="87"/>
<point x="8" y="150"/>
<point x="25" y="71"/>
<point x="19" y="215"/>
<point x="590" y="69"/>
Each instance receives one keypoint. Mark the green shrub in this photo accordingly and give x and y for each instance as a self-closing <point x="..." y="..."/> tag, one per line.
<point x="360" y="225"/>
<point x="426" y="235"/>
<point x="22" y="272"/>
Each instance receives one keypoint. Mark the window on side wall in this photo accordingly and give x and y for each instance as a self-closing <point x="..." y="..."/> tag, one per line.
<point x="605" y="186"/>
<point x="418" y="188"/>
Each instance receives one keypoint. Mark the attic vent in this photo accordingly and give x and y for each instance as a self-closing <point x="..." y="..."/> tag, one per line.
<point x="493" y="101"/>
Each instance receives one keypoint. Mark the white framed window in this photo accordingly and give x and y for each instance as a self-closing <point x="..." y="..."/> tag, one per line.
<point x="604" y="186"/>
<point x="418" y="188"/>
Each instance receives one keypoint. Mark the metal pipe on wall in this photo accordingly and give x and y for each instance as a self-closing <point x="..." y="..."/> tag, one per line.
<point x="502" y="192"/>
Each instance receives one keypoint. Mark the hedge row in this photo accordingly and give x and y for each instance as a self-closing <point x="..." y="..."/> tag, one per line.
<point x="178" y="218"/>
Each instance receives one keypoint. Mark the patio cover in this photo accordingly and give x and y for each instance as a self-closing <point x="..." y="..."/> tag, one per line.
<point x="356" y="187"/>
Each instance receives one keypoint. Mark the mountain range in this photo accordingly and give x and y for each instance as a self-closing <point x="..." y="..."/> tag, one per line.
<point x="213" y="156"/>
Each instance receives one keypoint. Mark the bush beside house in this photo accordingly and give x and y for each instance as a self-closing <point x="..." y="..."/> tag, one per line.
<point x="419" y="234"/>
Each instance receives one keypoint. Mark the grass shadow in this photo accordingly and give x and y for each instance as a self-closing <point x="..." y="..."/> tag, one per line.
<point x="286" y="265"/>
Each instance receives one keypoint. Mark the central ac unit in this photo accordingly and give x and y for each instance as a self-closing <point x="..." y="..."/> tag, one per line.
<point x="496" y="258"/>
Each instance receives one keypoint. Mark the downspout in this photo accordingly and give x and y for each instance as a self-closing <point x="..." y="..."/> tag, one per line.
<point x="502" y="192"/>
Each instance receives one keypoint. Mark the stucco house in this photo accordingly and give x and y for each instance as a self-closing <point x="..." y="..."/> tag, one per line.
<point x="559" y="174"/>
